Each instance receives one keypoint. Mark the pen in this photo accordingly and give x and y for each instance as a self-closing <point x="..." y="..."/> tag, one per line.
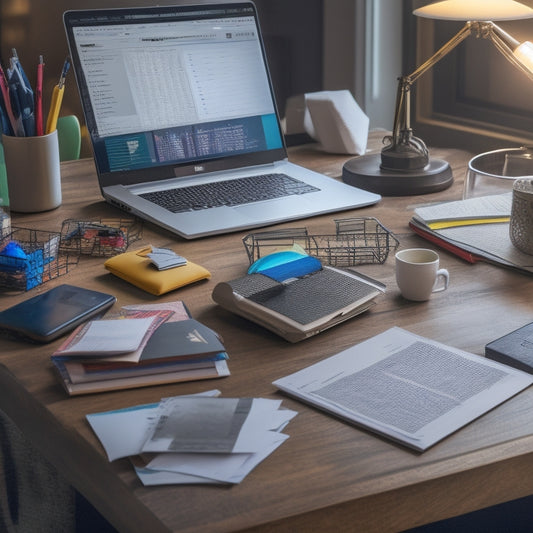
<point x="12" y="87"/>
<point x="22" y="93"/>
<point x="39" y="98"/>
<point x="57" y="98"/>
<point x="7" y="103"/>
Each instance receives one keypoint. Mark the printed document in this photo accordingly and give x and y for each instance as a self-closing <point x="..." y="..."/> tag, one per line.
<point x="196" y="439"/>
<point x="411" y="389"/>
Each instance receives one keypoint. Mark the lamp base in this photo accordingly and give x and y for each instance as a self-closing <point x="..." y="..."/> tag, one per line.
<point x="365" y="172"/>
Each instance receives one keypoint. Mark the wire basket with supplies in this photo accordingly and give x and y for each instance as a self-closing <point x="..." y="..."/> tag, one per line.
<point x="30" y="257"/>
<point x="101" y="237"/>
<point x="356" y="241"/>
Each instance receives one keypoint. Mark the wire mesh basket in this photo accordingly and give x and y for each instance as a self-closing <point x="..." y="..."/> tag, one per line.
<point x="29" y="257"/>
<point x="101" y="237"/>
<point x="356" y="241"/>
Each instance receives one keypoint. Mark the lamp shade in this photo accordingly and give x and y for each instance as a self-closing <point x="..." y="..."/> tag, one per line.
<point x="475" y="10"/>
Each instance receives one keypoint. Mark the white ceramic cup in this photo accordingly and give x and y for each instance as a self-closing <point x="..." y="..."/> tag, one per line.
<point x="33" y="172"/>
<point x="418" y="274"/>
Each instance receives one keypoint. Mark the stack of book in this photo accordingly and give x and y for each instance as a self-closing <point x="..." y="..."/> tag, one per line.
<point x="139" y="346"/>
<point x="475" y="229"/>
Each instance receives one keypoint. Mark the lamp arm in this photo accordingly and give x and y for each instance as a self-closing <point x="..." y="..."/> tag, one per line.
<point x="402" y="114"/>
<point x="404" y="151"/>
<point x="443" y="51"/>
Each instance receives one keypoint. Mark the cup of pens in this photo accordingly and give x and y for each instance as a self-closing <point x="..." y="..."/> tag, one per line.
<point x="31" y="148"/>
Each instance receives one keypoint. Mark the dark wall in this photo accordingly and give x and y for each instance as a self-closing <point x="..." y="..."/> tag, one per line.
<point x="292" y="31"/>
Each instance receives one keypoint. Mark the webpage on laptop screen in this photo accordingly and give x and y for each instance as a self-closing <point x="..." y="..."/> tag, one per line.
<point x="176" y="91"/>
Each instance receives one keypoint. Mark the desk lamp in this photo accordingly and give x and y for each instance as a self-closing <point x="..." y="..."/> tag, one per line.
<point x="404" y="167"/>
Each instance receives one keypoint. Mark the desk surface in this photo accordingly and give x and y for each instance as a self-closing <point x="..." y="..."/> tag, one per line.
<point x="327" y="472"/>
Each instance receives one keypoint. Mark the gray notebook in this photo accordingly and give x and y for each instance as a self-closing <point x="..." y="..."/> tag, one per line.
<point x="301" y="307"/>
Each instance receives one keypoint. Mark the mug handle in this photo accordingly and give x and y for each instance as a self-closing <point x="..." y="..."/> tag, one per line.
<point x="442" y="274"/>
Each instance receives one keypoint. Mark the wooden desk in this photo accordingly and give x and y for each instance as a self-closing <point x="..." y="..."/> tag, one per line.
<point x="328" y="475"/>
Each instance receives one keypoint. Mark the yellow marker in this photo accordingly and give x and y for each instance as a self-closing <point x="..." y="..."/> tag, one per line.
<point x="55" y="106"/>
<point x="57" y="99"/>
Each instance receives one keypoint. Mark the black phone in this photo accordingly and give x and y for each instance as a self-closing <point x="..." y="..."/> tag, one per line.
<point x="49" y="315"/>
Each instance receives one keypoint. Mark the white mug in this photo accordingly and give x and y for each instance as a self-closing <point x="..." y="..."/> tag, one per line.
<point x="418" y="274"/>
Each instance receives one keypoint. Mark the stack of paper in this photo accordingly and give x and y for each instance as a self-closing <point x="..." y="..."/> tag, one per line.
<point x="476" y="229"/>
<point x="142" y="345"/>
<point x="194" y="439"/>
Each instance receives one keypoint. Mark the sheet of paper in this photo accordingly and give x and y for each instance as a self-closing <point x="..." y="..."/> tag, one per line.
<point x="413" y="390"/>
<point x="178" y="309"/>
<point x="223" y="468"/>
<point x="150" y="477"/>
<point x="211" y="425"/>
<point x="482" y="207"/>
<point x="124" y="431"/>
<point x="101" y="337"/>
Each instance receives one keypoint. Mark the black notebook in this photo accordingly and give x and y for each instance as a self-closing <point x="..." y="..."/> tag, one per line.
<point x="301" y="307"/>
<point x="514" y="349"/>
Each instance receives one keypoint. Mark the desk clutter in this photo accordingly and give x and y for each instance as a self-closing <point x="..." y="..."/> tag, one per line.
<point x="155" y="270"/>
<point x="293" y="286"/>
<point x="21" y="107"/>
<point x="99" y="237"/>
<point x="356" y="241"/>
<point x="185" y="440"/>
<point x="30" y="257"/>
<point x="299" y="298"/>
<point x="141" y="345"/>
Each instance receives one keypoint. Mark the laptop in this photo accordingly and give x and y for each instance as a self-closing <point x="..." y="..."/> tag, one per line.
<point x="181" y="114"/>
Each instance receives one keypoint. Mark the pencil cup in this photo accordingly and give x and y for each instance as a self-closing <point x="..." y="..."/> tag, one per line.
<point x="418" y="274"/>
<point x="33" y="172"/>
<point x="521" y="223"/>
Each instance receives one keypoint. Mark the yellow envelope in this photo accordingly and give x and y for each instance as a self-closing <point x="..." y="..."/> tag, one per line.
<point x="138" y="269"/>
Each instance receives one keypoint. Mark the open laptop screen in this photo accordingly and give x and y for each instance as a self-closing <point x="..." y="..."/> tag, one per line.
<point x="174" y="87"/>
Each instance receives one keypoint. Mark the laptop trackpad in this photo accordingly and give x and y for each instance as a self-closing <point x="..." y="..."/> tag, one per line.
<point x="273" y="209"/>
<point x="220" y="217"/>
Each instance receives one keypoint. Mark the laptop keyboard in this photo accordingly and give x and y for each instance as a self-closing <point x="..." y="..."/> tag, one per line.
<point x="228" y="193"/>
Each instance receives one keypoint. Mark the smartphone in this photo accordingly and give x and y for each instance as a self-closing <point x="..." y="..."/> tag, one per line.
<point x="49" y="315"/>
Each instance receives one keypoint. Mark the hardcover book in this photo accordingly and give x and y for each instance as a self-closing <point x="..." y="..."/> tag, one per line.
<point x="300" y="307"/>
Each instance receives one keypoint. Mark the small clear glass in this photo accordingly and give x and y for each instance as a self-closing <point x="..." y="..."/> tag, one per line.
<point x="495" y="172"/>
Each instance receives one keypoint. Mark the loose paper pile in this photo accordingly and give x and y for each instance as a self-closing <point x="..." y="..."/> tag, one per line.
<point x="194" y="439"/>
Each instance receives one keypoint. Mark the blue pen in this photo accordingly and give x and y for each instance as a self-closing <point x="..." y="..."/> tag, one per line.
<point x="17" y="64"/>
<point x="6" y="127"/>
<point x="26" y="102"/>
<point x="15" y="108"/>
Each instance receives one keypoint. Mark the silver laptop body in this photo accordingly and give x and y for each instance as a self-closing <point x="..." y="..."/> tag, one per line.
<point x="180" y="96"/>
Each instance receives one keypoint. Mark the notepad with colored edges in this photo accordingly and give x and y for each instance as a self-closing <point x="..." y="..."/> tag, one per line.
<point x="299" y="308"/>
<point x="475" y="229"/>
